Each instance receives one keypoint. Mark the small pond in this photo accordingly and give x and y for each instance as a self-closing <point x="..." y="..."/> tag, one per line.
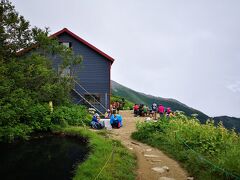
<point x="42" y="157"/>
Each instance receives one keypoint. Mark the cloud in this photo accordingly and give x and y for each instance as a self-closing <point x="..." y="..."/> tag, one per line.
<point x="235" y="87"/>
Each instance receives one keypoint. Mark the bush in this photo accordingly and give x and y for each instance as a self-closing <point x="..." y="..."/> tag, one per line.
<point x="208" y="152"/>
<point x="19" y="131"/>
<point x="73" y="115"/>
<point x="38" y="117"/>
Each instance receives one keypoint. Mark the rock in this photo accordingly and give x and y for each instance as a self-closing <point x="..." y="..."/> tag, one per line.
<point x="165" y="178"/>
<point x="130" y="148"/>
<point x="150" y="156"/>
<point x="134" y="143"/>
<point x="165" y="168"/>
<point x="190" y="178"/>
<point x="156" y="160"/>
<point x="148" y="150"/>
<point x="158" y="169"/>
<point x="148" y="119"/>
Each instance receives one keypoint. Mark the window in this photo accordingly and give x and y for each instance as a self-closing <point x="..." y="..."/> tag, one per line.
<point x="92" y="98"/>
<point x="67" y="44"/>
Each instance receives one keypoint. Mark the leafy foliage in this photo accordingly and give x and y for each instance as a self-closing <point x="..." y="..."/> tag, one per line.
<point x="28" y="81"/>
<point x="74" y="115"/>
<point x="208" y="151"/>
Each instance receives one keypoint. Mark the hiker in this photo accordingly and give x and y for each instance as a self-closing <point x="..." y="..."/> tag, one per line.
<point x="141" y="110"/>
<point x="116" y="120"/>
<point x="168" y="111"/>
<point x="161" y="110"/>
<point x="145" y="110"/>
<point x="172" y="114"/>
<point x="95" y="123"/>
<point x="107" y="114"/>
<point x="113" y="110"/>
<point x="117" y="107"/>
<point x="136" y="109"/>
<point x="150" y="113"/>
<point x="154" y="110"/>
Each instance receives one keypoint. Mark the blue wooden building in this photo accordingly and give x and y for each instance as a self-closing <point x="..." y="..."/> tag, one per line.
<point x="93" y="75"/>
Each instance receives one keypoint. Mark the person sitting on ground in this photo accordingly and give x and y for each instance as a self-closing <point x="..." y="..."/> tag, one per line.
<point x="107" y="115"/>
<point x="172" y="114"/>
<point x="168" y="111"/>
<point x="95" y="123"/>
<point x="161" y="110"/>
<point x="116" y="120"/>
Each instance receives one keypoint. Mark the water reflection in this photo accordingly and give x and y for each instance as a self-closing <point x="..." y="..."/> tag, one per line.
<point x="49" y="157"/>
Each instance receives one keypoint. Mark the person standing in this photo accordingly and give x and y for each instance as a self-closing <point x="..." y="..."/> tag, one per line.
<point x="154" y="110"/>
<point x="136" y="109"/>
<point x="161" y="110"/>
<point x="145" y="110"/>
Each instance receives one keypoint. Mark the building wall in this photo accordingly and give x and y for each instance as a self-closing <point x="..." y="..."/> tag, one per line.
<point x="93" y="74"/>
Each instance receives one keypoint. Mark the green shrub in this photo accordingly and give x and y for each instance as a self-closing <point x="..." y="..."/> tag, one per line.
<point x="73" y="115"/>
<point x="38" y="117"/>
<point x="19" y="131"/>
<point x="209" y="152"/>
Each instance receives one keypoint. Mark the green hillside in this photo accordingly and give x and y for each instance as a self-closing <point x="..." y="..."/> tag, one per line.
<point x="138" y="97"/>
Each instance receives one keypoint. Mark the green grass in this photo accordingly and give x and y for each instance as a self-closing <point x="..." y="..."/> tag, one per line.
<point x="121" y="165"/>
<point x="206" y="151"/>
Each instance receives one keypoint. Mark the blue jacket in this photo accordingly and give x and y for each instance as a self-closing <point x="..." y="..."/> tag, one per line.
<point x="94" y="119"/>
<point x="118" y="118"/>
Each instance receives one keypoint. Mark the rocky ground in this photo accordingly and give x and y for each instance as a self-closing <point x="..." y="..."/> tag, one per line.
<point x="153" y="164"/>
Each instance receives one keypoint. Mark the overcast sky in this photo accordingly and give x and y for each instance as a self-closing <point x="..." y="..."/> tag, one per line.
<point x="182" y="49"/>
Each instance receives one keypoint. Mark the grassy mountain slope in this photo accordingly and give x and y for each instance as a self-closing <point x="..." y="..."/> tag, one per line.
<point x="228" y="122"/>
<point x="138" y="97"/>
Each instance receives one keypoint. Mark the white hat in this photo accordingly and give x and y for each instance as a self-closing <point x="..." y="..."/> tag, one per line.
<point x="96" y="115"/>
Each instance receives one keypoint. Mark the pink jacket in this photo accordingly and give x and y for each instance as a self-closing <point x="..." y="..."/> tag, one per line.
<point x="161" y="109"/>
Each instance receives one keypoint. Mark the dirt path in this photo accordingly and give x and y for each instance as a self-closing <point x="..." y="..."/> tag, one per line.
<point x="147" y="157"/>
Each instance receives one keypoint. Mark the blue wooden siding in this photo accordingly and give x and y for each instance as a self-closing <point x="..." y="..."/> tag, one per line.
<point x="93" y="74"/>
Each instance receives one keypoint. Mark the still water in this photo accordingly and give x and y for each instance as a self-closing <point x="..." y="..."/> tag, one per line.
<point x="45" y="157"/>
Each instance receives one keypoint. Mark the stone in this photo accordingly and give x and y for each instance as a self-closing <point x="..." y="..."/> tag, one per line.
<point x="130" y="148"/>
<point x="165" y="168"/>
<point x="158" y="169"/>
<point x="148" y="150"/>
<point x="165" y="178"/>
<point x="156" y="160"/>
<point x="150" y="156"/>
<point x="190" y="178"/>
<point x="134" y="143"/>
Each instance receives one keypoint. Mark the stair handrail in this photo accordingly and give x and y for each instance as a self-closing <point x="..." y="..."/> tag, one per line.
<point x="90" y="94"/>
<point x="88" y="101"/>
